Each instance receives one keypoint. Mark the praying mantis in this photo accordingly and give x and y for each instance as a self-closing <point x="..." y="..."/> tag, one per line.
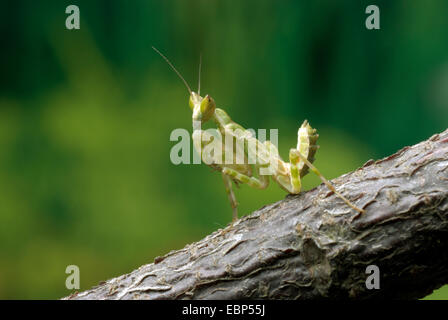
<point x="255" y="174"/>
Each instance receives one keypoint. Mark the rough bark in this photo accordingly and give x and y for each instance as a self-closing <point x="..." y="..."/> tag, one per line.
<point x="312" y="246"/>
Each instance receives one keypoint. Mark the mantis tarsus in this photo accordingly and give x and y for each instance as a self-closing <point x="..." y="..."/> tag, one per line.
<point x="287" y="174"/>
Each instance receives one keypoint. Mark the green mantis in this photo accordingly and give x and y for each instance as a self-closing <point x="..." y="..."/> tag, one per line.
<point x="258" y="160"/>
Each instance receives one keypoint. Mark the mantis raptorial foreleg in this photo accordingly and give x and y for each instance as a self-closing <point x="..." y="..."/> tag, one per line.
<point x="294" y="161"/>
<point x="327" y="183"/>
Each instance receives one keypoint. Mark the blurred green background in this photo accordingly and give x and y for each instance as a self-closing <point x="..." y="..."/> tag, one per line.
<point x="86" y="116"/>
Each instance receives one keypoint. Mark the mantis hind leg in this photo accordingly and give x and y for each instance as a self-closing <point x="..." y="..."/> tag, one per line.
<point x="295" y="153"/>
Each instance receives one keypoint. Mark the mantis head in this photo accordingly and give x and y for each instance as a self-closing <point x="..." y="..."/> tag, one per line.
<point x="203" y="107"/>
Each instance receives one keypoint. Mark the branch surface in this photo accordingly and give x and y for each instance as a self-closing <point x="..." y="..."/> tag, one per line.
<point x="312" y="246"/>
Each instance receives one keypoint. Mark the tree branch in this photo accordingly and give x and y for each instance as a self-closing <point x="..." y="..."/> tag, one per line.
<point x="312" y="245"/>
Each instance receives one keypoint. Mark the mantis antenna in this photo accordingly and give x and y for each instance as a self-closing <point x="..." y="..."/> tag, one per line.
<point x="174" y="69"/>
<point x="199" y="76"/>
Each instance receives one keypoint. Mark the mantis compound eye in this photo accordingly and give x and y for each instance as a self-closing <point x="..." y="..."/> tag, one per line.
<point x="208" y="107"/>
